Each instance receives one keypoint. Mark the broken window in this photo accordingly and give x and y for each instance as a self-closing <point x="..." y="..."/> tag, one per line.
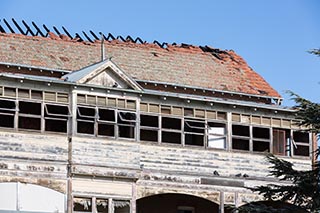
<point x="102" y="205"/>
<point x="121" y="206"/>
<point x="85" y="120"/>
<point x="240" y="137"/>
<point x="7" y="113"/>
<point x="217" y="135"/>
<point x="126" y="124"/>
<point x="149" y="127"/>
<point x="171" y="130"/>
<point x="281" y="142"/>
<point x="29" y="115"/>
<point x="261" y="139"/>
<point x="106" y="122"/>
<point x="56" y="118"/>
<point x="82" y="205"/>
<point x="301" y="143"/>
<point x="194" y="132"/>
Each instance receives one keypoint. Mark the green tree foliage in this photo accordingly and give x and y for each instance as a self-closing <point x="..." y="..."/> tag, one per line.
<point x="304" y="192"/>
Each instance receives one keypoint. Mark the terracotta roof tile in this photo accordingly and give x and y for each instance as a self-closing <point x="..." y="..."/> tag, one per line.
<point x="189" y="65"/>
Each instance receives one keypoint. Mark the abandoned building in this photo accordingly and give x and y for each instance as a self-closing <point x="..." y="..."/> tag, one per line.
<point x="118" y="125"/>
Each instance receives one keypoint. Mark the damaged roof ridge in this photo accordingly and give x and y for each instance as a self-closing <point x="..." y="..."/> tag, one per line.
<point x="53" y="37"/>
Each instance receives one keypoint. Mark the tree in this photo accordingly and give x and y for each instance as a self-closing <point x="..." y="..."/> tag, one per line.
<point x="304" y="192"/>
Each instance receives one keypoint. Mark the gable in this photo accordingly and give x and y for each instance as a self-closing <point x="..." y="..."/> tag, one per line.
<point x="107" y="78"/>
<point x="104" y="73"/>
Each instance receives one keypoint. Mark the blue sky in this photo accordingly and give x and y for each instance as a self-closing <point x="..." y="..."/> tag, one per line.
<point x="273" y="36"/>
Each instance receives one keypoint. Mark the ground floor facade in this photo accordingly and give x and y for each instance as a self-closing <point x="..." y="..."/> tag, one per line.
<point x="54" y="173"/>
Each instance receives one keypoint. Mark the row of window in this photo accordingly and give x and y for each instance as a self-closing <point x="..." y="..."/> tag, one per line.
<point x="153" y="127"/>
<point x="100" y="205"/>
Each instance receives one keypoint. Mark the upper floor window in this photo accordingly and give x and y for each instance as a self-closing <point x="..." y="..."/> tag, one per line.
<point x="106" y="122"/>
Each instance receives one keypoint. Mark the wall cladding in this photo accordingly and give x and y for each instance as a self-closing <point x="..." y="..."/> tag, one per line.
<point x="204" y="162"/>
<point x="105" y="153"/>
<point x="34" y="158"/>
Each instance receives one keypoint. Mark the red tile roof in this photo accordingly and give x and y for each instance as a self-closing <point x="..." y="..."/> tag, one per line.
<point x="184" y="64"/>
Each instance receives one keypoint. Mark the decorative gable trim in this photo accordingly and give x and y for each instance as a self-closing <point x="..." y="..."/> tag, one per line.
<point x="88" y="74"/>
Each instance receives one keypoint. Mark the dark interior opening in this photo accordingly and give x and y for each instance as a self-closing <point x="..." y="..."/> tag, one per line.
<point x="240" y="130"/>
<point x="301" y="150"/>
<point x="57" y="110"/>
<point x="171" y="123"/>
<point x="107" y="115"/>
<point x="29" y="123"/>
<point x="29" y="108"/>
<point x="149" y="135"/>
<point x="263" y="133"/>
<point x="82" y="207"/>
<point x="171" y="137"/>
<point x="301" y="137"/>
<point x="56" y="118"/>
<point x="5" y="104"/>
<point x="106" y="129"/>
<point x="102" y="206"/>
<point x="195" y="140"/>
<point x="149" y="121"/>
<point x="85" y="127"/>
<point x="53" y="125"/>
<point x="240" y="144"/>
<point x="85" y="111"/>
<point x="261" y="146"/>
<point x="194" y="126"/>
<point x="126" y="118"/>
<point x="126" y="131"/>
<point x="7" y="121"/>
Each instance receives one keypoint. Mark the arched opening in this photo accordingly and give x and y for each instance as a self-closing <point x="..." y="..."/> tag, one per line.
<point x="271" y="206"/>
<point x="175" y="203"/>
<point x="29" y="197"/>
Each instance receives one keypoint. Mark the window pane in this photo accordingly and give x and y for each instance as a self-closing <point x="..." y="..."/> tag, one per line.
<point x="107" y="115"/>
<point x="240" y="144"/>
<point x="263" y="133"/>
<point x="55" y="125"/>
<point x="149" y="121"/>
<point x="29" y="123"/>
<point x="58" y="110"/>
<point x="85" y="127"/>
<point x="240" y="130"/>
<point x="8" y="105"/>
<point x="301" y="150"/>
<point x="215" y="141"/>
<point x="148" y="135"/>
<point x="195" y="140"/>
<point x="171" y="137"/>
<point x="106" y="130"/>
<point x="301" y="137"/>
<point x="126" y="132"/>
<point x="126" y="118"/>
<point x="261" y="146"/>
<point x="171" y="123"/>
<point x="82" y="205"/>
<point x="7" y="121"/>
<point x="84" y="111"/>
<point x="194" y="126"/>
<point x="29" y="108"/>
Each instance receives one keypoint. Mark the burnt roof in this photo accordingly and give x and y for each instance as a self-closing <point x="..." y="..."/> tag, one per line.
<point x="193" y="66"/>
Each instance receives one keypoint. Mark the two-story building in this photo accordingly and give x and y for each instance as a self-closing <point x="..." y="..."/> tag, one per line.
<point x="123" y="126"/>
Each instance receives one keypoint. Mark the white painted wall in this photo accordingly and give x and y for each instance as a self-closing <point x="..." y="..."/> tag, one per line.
<point x="29" y="197"/>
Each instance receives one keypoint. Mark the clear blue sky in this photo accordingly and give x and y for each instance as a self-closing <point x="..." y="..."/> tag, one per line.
<point x="273" y="36"/>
